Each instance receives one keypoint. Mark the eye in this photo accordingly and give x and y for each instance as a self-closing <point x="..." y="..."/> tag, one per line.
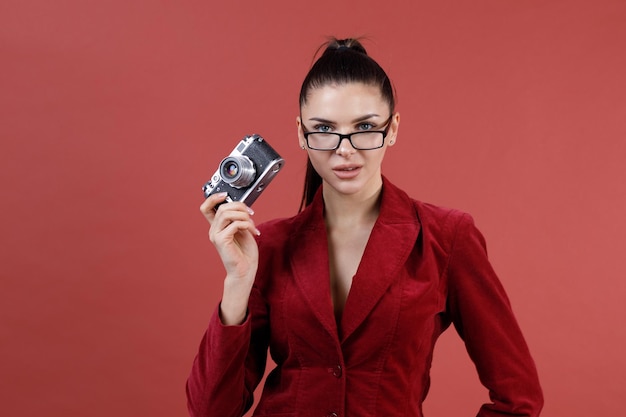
<point x="365" y="126"/>
<point x="322" y="128"/>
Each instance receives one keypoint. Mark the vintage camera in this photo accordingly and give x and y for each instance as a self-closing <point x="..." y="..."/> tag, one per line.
<point x="246" y="172"/>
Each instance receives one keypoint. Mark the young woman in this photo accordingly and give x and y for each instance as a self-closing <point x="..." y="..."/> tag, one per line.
<point x="350" y="295"/>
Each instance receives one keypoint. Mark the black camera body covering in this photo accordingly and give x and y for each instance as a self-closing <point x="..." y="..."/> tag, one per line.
<point x="246" y="172"/>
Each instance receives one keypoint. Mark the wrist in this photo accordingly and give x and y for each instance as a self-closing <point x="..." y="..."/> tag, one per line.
<point x="234" y="304"/>
<point x="232" y="317"/>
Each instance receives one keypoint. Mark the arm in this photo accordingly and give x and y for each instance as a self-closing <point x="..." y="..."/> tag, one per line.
<point x="482" y="315"/>
<point x="232" y="354"/>
<point x="229" y="365"/>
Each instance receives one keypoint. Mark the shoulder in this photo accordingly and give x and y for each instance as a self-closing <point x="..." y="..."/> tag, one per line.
<point x="280" y="225"/>
<point x="442" y="226"/>
<point x="429" y="215"/>
<point x="279" y="232"/>
<point x="442" y="218"/>
<point x="276" y="231"/>
<point x="437" y="223"/>
<point x="433" y="213"/>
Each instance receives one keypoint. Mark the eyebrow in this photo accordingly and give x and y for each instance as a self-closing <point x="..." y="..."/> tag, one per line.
<point x="358" y="119"/>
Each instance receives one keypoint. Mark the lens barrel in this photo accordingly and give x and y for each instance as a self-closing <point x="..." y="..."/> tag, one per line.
<point x="237" y="171"/>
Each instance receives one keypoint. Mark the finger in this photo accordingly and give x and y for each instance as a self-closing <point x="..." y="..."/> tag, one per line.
<point x="225" y="224"/>
<point x="230" y="232"/>
<point x="227" y="215"/>
<point x="238" y="206"/>
<point x="207" y="208"/>
<point x="229" y="212"/>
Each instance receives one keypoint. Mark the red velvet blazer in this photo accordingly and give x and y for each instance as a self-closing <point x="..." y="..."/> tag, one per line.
<point x="424" y="267"/>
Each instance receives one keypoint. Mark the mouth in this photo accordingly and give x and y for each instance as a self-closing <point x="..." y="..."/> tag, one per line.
<point x="347" y="171"/>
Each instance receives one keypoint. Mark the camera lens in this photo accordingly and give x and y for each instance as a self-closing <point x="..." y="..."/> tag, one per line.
<point x="238" y="171"/>
<point x="231" y="169"/>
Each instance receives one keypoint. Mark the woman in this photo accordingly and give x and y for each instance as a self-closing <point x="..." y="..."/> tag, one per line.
<point x="351" y="294"/>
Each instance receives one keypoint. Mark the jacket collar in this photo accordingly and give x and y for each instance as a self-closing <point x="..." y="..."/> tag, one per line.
<point x="391" y="240"/>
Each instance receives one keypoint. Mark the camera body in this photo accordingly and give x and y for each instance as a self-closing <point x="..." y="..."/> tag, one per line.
<point x="246" y="172"/>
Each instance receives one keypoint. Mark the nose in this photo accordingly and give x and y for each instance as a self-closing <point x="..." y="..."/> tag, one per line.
<point x="345" y="147"/>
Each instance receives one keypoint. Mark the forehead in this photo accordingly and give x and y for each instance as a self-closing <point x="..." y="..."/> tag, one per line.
<point x="333" y="101"/>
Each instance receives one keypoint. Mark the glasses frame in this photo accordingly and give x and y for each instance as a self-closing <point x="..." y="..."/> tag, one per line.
<point x="347" y="136"/>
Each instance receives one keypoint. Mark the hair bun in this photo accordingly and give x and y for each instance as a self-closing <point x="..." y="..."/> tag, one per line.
<point x="348" y="44"/>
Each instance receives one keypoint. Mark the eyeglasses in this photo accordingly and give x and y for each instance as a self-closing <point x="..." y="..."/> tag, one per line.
<point x="330" y="141"/>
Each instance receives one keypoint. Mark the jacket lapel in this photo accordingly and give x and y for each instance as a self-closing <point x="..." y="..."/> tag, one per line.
<point x="310" y="265"/>
<point x="391" y="240"/>
<point x="390" y="243"/>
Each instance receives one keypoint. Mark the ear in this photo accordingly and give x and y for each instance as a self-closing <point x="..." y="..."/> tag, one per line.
<point x="392" y="133"/>
<point x="301" y="140"/>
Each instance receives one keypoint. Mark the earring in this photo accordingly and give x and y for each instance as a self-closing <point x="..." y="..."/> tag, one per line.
<point x="391" y="142"/>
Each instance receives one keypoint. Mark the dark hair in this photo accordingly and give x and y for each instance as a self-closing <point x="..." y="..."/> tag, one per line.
<point x="343" y="61"/>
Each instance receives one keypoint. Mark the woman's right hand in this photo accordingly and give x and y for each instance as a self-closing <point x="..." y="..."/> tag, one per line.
<point x="232" y="232"/>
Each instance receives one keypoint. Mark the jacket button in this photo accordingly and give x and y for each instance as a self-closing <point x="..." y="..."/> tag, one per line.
<point x="336" y="371"/>
<point x="332" y="415"/>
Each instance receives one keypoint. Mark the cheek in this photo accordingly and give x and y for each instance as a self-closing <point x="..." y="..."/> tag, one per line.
<point x="376" y="156"/>
<point x="317" y="160"/>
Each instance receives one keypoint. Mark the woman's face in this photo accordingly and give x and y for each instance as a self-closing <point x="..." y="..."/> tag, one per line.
<point x="348" y="108"/>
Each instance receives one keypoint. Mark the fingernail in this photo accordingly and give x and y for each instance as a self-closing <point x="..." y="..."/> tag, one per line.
<point x="250" y="210"/>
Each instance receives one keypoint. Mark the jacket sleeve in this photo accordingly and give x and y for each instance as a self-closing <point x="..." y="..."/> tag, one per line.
<point x="229" y="365"/>
<point x="481" y="312"/>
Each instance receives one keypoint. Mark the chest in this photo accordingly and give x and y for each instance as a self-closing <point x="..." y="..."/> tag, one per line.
<point x="345" y="251"/>
<point x="398" y="306"/>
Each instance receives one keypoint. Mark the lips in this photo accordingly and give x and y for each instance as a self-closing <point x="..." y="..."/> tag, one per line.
<point x="347" y="171"/>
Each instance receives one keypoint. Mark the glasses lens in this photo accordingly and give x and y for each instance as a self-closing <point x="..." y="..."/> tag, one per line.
<point x="367" y="140"/>
<point x="323" y="140"/>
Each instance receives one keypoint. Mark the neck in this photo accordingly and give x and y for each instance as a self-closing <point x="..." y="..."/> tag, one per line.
<point x="348" y="211"/>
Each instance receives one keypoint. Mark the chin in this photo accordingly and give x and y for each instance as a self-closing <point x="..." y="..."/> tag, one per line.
<point x="351" y="187"/>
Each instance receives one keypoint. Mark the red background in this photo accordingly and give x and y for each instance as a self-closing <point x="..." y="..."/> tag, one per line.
<point x="114" y="113"/>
